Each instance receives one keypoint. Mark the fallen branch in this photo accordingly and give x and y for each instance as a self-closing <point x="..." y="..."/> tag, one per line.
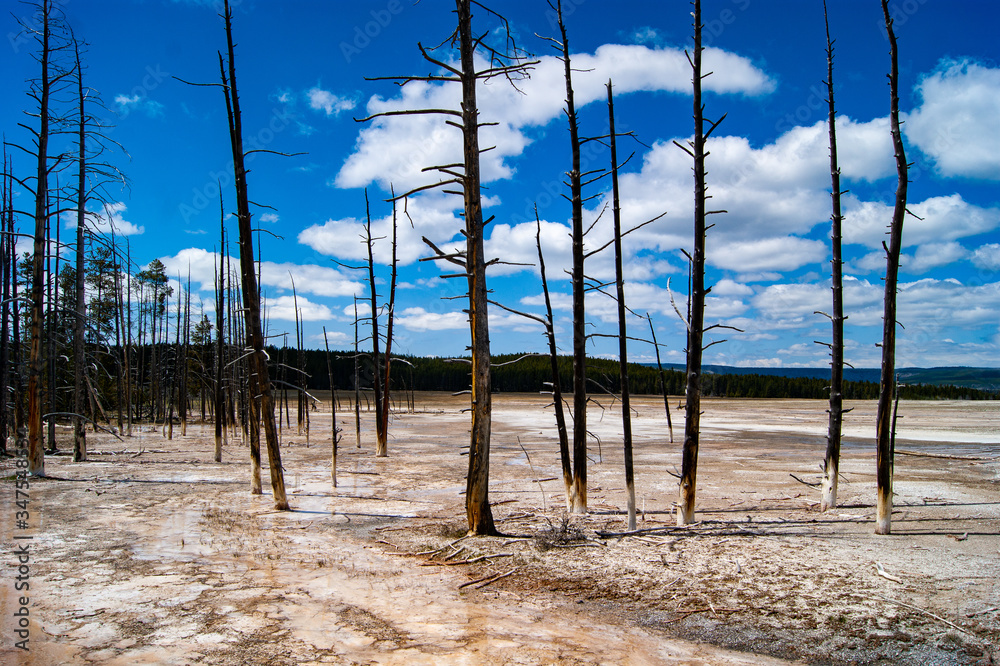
<point x="483" y="582"/>
<point x="885" y="574"/>
<point x="930" y="614"/>
<point x="940" y="455"/>
<point x="481" y="558"/>
<point x="648" y="530"/>
<point x="811" y="485"/>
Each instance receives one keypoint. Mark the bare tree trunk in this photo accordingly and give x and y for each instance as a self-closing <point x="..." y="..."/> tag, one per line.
<point x="220" y="300"/>
<point x="333" y="413"/>
<point x="380" y="435"/>
<point x="663" y="379"/>
<point x="884" y="430"/>
<point x="36" y="456"/>
<point x="79" y="394"/>
<point x="7" y="273"/>
<point x="477" y="504"/>
<point x="831" y="465"/>
<point x="383" y="415"/>
<point x="696" y="318"/>
<point x="622" y="329"/>
<point x="260" y="382"/>
<point x="357" y="380"/>
<point x="579" y="289"/>
<point x="557" y="397"/>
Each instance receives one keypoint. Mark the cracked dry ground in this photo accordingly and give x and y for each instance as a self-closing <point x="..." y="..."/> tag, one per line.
<point x="164" y="557"/>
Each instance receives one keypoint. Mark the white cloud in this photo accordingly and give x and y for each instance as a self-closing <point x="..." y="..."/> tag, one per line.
<point x="108" y="218"/>
<point x="284" y="307"/>
<point x="987" y="257"/>
<point x="956" y="123"/>
<point x="326" y="101"/>
<point x="932" y="255"/>
<point x="432" y="216"/>
<point x="944" y="219"/>
<point x="419" y="319"/>
<point x="309" y="278"/>
<point x="780" y="254"/>
<point x="130" y="103"/>
<point x="269" y="217"/>
<point x="395" y="149"/>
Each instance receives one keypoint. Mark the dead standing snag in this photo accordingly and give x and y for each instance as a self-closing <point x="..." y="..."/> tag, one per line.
<point x="509" y="63"/>
<point x="884" y="426"/>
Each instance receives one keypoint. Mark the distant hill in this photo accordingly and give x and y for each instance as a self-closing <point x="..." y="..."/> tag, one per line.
<point x="984" y="379"/>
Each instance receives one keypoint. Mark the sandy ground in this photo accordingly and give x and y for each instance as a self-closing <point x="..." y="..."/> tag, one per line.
<point x="150" y="553"/>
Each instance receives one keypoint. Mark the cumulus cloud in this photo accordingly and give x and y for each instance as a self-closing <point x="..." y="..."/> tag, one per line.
<point x="326" y="101"/>
<point x="956" y="122"/>
<point x="942" y="219"/>
<point x="284" y="308"/>
<point x="128" y="104"/>
<point x="345" y="237"/>
<point x="107" y="219"/>
<point x="395" y="149"/>
<point x="932" y="255"/>
<point x="987" y="257"/>
<point x="309" y="278"/>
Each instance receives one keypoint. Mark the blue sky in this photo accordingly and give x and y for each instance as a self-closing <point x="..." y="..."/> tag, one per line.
<point x="302" y="68"/>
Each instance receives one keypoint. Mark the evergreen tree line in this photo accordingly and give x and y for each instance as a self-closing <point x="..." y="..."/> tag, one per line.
<point x="532" y="373"/>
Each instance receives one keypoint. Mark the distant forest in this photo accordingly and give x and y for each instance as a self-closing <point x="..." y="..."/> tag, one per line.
<point x="530" y="374"/>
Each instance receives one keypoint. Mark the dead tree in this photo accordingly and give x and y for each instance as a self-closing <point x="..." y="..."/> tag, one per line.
<point x="382" y="412"/>
<point x="662" y="376"/>
<point x="334" y="436"/>
<point x="831" y="464"/>
<point x="260" y="383"/>
<point x="508" y="62"/>
<point x="577" y="278"/>
<point x="622" y="327"/>
<point x="220" y="325"/>
<point x="7" y="273"/>
<point x="53" y="42"/>
<point x="357" y="380"/>
<point x="884" y="426"/>
<point x="557" y="396"/>
<point x="696" y="315"/>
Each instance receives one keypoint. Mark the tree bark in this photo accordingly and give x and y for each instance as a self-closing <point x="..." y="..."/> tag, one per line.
<point x="579" y="288"/>
<point x="36" y="456"/>
<point x="477" y="505"/>
<point x="622" y="327"/>
<point x="260" y="383"/>
<point x="884" y="426"/>
<point x="383" y="414"/>
<point x="696" y="316"/>
<point x="557" y="396"/>
<point x="381" y="448"/>
<point x="831" y="465"/>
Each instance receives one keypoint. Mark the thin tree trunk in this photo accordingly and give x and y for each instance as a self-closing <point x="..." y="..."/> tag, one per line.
<point x="884" y="426"/>
<point x="579" y="290"/>
<point x="831" y="465"/>
<point x="381" y="448"/>
<point x="477" y="504"/>
<point x="383" y="415"/>
<point x="696" y="319"/>
<point x="622" y="329"/>
<point x="6" y="273"/>
<point x="557" y="397"/>
<point x="260" y="383"/>
<point x="36" y="455"/>
<point x="79" y="431"/>
<point x="663" y="379"/>
<point x="357" y="380"/>
<point x="333" y="414"/>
